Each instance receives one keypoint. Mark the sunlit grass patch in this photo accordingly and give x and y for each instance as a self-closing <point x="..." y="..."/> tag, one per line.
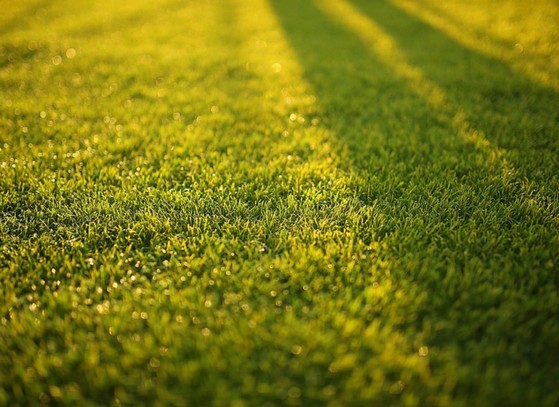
<point x="271" y="203"/>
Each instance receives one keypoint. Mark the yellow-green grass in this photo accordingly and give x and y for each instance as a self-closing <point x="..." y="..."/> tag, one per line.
<point x="279" y="202"/>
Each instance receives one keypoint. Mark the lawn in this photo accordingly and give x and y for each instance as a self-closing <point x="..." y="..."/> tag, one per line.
<point x="279" y="202"/>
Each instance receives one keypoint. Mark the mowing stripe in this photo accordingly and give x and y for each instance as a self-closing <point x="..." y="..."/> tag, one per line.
<point x="455" y="25"/>
<point x="384" y="46"/>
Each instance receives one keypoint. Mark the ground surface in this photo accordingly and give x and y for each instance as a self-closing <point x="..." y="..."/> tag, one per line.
<point x="235" y="202"/>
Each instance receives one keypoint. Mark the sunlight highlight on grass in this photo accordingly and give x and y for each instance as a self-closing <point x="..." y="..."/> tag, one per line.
<point x="382" y="44"/>
<point x="288" y="94"/>
<point x="525" y="35"/>
<point x="269" y="55"/>
<point x="238" y="203"/>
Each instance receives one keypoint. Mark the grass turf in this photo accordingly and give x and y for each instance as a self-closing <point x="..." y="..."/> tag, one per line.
<point x="257" y="202"/>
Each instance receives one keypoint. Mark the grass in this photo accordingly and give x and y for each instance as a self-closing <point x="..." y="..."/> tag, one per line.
<point x="254" y="203"/>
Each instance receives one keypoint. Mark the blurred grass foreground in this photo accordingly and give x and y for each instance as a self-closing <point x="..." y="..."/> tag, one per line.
<point x="279" y="202"/>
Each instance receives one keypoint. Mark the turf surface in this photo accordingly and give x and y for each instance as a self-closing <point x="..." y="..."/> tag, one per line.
<point x="254" y="203"/>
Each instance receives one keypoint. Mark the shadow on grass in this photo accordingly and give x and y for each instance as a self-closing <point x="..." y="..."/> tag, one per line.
<point x="395" y="129"/>
<point x="451" y="213"/>
<point x="514" y="112"/>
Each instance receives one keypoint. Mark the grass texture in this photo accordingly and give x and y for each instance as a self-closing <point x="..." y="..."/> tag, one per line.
<point x="279" y="202"/>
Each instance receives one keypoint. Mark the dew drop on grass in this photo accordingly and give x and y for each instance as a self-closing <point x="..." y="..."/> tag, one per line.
<point x="154" y="363"/>
<point x="296" y="349"/>
<point x="56" y="60"/>
<point x="55" y="392"/>
<point x="70" y="53"/>
<point x="397" y="387"/>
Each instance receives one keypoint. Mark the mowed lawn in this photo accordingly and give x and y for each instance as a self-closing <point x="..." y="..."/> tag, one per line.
<point x="279" y="202"/>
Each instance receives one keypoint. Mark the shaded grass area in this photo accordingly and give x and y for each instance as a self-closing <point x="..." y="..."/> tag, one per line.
<point x="243" y="204"/>
<point x="451" y="208"/>
<point x="524" y="35"/>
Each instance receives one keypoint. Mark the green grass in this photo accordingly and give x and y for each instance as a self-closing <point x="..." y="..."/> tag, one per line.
<point x="254" y="203"/>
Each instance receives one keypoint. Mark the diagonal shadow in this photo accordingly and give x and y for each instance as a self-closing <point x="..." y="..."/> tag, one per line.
<point x="502" y="47"/>
<point x="346" y="80"/>
<point x="417" y="170"/>
<point x="515" y="113"/>
<point x="452" y="112"/>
